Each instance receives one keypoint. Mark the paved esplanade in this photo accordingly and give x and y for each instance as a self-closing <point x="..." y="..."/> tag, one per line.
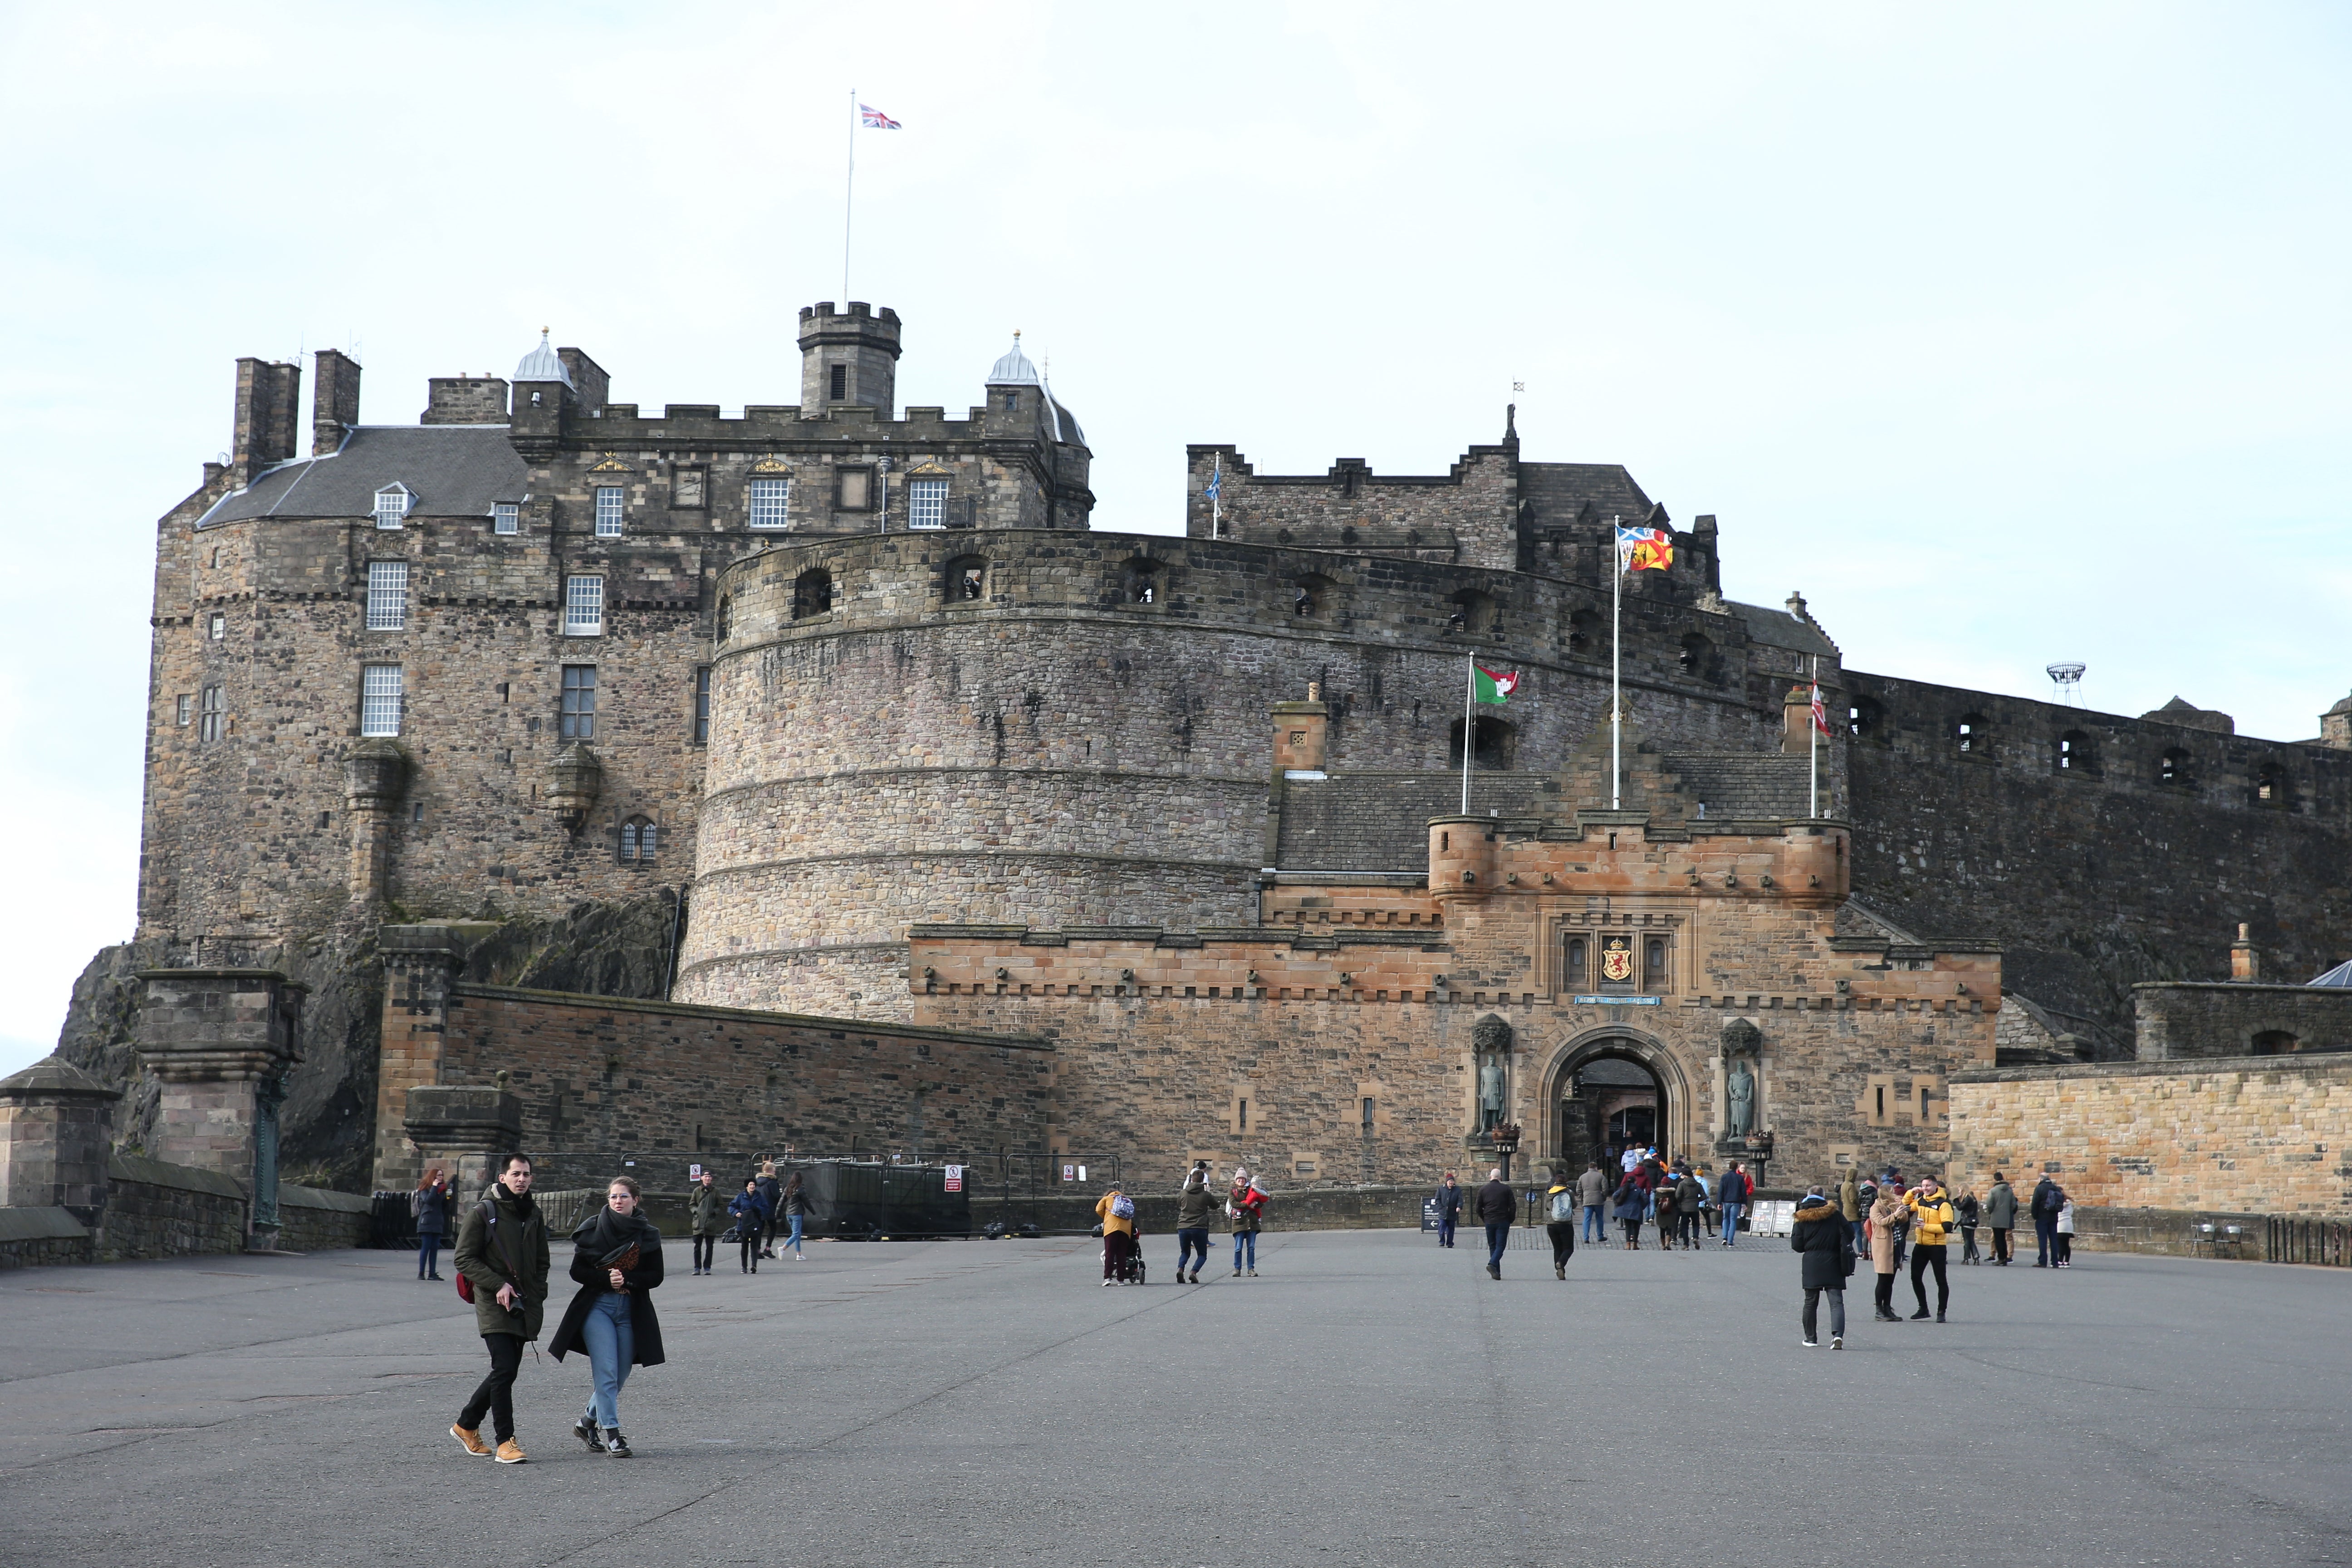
<point x="1367" y="1400"/>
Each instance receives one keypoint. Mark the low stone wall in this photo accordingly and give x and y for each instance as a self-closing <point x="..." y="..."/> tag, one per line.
<point x="315" y="1219"/>
<point x="33" y="1236"/>
<point x="158" y="1210"/>
<point x="2177" y="1233"/>
<point x="2173" y="1020"/>
<point x="2241" y="1135"/>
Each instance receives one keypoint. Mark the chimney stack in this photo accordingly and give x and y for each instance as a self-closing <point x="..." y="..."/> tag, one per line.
<point x="2246" y="964"/>
<point x="268" y="398"/>
<point x="334" y="401"/>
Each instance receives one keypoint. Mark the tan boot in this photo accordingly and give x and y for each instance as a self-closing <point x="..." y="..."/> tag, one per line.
<point x="511" y="1453"/>
<point x="472" y="1440"/>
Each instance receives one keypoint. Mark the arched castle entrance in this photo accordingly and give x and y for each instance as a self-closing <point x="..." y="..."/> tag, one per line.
<point x="1615" y="1079"/>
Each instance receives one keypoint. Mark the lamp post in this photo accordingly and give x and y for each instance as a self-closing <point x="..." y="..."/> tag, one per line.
<point x="1506" y="1135"/>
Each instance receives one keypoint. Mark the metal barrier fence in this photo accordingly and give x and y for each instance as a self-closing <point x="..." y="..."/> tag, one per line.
<point x="2326" y="1242"/>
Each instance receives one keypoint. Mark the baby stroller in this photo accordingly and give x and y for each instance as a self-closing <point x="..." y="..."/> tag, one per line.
<point x="1131" y="1270"/>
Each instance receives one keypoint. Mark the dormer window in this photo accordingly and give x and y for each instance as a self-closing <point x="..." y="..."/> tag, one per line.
<point x="392" y="504"/>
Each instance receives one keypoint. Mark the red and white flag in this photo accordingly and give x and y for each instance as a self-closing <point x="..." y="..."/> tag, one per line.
<point x="874" y="120"/>
<point x="1820" y="713"/>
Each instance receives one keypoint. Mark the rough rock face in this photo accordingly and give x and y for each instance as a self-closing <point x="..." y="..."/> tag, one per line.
<point x="618" y="948"/>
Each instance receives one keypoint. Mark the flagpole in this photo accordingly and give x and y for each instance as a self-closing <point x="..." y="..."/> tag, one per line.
<point x="1616" y="664"/>
<point x="1469" y="697"/>
<point x="1216" y="483"/>
<point x="1813" y="745"/>
<point x="848" y="204"/>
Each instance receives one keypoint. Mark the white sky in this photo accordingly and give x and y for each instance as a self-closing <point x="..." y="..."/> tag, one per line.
<point x="2007" y="333"/>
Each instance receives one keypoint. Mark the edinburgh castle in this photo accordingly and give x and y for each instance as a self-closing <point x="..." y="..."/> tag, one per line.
<point x="819" y="775"/>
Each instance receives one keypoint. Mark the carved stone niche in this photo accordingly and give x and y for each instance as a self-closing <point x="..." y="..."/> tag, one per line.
<point x="1743" y="1050"/>
<point x="574" y="779"/>
<point x="1741" y="1039"/>
<point x="1491" y="1034"/>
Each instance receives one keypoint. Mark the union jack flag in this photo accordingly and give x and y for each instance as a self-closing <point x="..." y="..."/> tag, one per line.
<point x="874" y="120"/>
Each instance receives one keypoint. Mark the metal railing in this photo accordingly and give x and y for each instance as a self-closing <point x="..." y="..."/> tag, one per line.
<point x="2326" y="1242"/>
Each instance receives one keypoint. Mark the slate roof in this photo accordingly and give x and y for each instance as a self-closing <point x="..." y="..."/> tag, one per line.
<point x="1779" y="629"/>
<point x="1379" y="822"/>
<point x="1561" y="489"/>
<point x="452" y="470"/>
<point x="1746" y="785"/>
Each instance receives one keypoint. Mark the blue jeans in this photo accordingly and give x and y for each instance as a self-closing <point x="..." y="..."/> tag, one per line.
<point x="793" y="1240"/>
<point x="428" y="1253"/>
<point x="1244" y="1239"/>
<point x="1595" y="1228"/>
<point x="2045" y="1239"/>
<point x="1188" y="1240"/>
<point x="1731" y="1223"/>
<point x="612" y="1339"/>
<point x="1499" y="1236"/>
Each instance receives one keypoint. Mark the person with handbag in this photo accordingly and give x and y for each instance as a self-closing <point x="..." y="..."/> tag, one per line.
<point x="429" y="1206"/>
<point x="1821" y="1238"/>
<point x="795" y="1201"/>
<point x="703" y="1213"/>
<point x="1560" y="1222"/>
<point x="1885" y="1209"/>
<point x="617" y="1257"/>
<point x="749" y="1215"/>
<point x="501" y="1261"/>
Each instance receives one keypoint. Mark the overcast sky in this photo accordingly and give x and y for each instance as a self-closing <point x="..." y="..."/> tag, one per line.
<point x="2008" y="334"/>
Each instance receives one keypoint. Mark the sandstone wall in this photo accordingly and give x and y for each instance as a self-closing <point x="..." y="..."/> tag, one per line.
<point x="2250" y="1135"/>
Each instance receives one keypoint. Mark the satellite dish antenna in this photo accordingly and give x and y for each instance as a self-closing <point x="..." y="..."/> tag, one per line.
<point x="2068" y="680"/>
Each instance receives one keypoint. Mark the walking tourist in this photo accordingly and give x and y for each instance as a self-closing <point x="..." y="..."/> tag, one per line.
<point x="2064" y="1230"/>
<point x="1827" y="1246"/>
<point x="1194" y="1207"/>
<point x="1497" y="1209"/>
<point x="706" y="1217"/>
<point x="1561" y="1226"/>
<point x="795" y="1201"/>
<point x="1630" y="1160"/>
<point x="1627" y="1205"/>
<point x="1244" y="1204"/>
<point x="617" y="1257"/>
<point x="749" y="1215"/>
<point x="771" y="1194"/>
<point x="1851" y="1206"/>
<point x="429" y="1203"/>
<point x="1969" y="1211"/>
<point x="1690" y="1194"/>
<point x="2001" y="1214"/>
<point x="1449" y="1209"/>
<point x="1592" y="1191"/>
<point x="1884" y="1209"/>
<point x="1117" y="1211"/>
<point x="1932" y="1217"/>
<point x="2047" y="1199"/>
<point x="502" y="1253"/>
<point x="1732" y="1198"/>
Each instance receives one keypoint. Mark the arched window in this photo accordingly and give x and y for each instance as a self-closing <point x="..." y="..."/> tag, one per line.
<point x="1580" y="630"/>
<point x="1972" y="735"/>
<point x="1496" y="745"/>
<point x="637" y="841"/>
<point x="2172" y="768"/>
<point x="1655" y="974"/>
<point x="2074" y="753"/>
<point x="965" y="580"/>
<point x="2275" y="1043"/>
<point x="2270" y="786"/>
<point x="726" y="624"/>
<point x="812" y="593"/>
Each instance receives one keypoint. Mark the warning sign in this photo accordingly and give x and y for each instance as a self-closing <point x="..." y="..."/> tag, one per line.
<point x="955" y="1178"/>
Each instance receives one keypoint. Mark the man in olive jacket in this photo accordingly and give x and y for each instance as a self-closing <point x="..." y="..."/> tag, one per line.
<point x="706" y="1214"/>
<point x="2000" y="1213"/>
<point x="502" y="1253"/>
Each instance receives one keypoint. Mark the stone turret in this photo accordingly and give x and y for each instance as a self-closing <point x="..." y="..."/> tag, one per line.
<point x="848" y="360"/>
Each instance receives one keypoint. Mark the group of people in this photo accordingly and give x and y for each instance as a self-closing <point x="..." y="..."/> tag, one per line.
<point x="1682" y="1203"/>
<point x="750" y="1213"/>
<point x="1196" y="1208"/>
<point x="2050" y="1208"/>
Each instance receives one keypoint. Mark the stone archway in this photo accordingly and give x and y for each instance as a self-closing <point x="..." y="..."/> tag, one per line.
<point x="1676" y="1123"/>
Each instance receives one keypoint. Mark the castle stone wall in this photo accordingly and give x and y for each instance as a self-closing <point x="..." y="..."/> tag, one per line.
<point x="2223" y="1019"/>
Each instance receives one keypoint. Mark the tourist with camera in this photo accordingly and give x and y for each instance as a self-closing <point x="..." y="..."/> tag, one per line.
<point x="501" y="1262"/>
<point x="617" y="1257"/>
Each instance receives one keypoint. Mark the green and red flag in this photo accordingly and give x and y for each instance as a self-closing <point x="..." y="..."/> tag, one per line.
<point x="1494" y="684"/>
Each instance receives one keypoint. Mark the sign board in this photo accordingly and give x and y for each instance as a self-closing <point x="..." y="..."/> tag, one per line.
<point x="955" y="1178"/>
<point x="1616" y="1001"/>
<point x="1429" y="1213"/>
<point x="695" y="1172"/>
<point x="1082" y="1172"/>
<point x="1772" y="1218"/>
<point x="1069" y="1172"/>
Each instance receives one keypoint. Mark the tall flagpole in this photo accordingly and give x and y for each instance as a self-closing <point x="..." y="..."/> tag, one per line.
<point x="1469" y="697"/>
<point x="848" y="204"/>
<point x="1813" y="745"/>
<point x="1616" y="663"/>
<point x="1216" y="484"/>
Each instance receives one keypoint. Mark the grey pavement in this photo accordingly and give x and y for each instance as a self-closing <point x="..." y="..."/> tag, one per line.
<point x="1368" y="1399"/>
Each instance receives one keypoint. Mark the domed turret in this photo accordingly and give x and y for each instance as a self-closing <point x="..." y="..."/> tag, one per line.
<point x="543" y="363"/>
<point x="1016" y="387"/>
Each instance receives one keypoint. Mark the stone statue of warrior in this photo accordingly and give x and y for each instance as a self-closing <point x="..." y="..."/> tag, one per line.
<point x="1738" y="1099"/>
<point x="1490" y="1092"/>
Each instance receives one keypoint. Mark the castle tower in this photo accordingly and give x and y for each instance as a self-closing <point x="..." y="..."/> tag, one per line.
<point x="848" y="360"/>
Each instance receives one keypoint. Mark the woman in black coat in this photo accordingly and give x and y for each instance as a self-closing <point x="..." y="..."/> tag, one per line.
<point x="617" y="1257"/>
<point x="1821" y="1235"/>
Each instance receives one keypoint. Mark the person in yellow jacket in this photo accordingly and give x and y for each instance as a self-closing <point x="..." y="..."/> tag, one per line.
<point x="1932" y="1219"/>
<point x="1117" y="1212"/>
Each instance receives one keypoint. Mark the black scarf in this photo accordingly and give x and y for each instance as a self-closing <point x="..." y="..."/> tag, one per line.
<point x="608" y="1236"/>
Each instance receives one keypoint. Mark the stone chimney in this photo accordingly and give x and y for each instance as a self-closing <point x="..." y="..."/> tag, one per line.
<point x="2245" y="962"/>
<point x="1796" y="721"/>
<point x="334" y="400"/>
<point x="1300" y="730"/>
<point x="268" y="396"/>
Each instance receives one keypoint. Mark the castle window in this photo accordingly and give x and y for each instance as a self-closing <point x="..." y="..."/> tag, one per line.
<point x="967" y="580"/>
<point x="183" y="708"/>
<point x="1142" y="581"/>
<point x="1697" y="659"/>
<point x="1368" y="1115"/>
<point x="1580" y="631"/>
<point x="583" y="606"/>
<point x="392" y="506"/>
<point x="1473" y="611"/>
<point x="212" y="717"/>
<point x="2073" y="752"/>
<point x="771" y="503"/>
<point x="380" y="700"/>
<point x="702" y="705"/>
<point x="608" y="512"/>
<point x="852" y="490"/>
<point x="1572" y="965"/>
<point x="1972" y="735"/>
<point x="1656" y="975"/>
<point x="2270" y="786"/>
<point x="1496" y="744"/>
<point x="2275" y="1043"/>
<point x="506" y="517"/>
<point x="216" y="628"/>
<point x="840" y="382"/>
<point x="1011" y="402"/>
<point x="812" y="593"/>
<point x="725" y="624"/>
<point x="216" y="562"/>
<point x="1865" y="719"/>
<point x="577" y="717"/>
<point x="927" y="503"/>
<point x="387" y="596"/>
<point x="2173" y="767"/>
<point x="637" y="842"/>
<point x="1314" y="594"/>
